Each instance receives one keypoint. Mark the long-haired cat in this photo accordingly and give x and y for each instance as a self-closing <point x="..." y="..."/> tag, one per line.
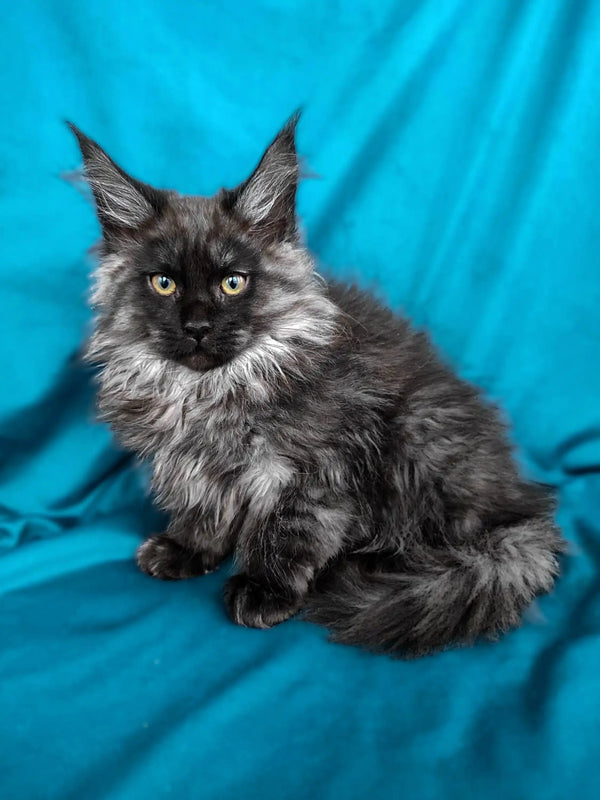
<point x="302" y="426"/>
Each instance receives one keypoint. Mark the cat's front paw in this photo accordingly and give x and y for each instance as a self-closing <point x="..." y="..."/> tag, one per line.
<point x="164" y="558"/>
<point x="254" y="605"/>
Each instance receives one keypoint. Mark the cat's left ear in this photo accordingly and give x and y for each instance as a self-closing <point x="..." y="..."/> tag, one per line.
<point x="267" y="200"/>
<point x="123" y="203"/>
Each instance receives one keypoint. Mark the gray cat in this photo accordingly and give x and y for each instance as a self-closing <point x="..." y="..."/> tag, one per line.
<point x="302" y="426"/>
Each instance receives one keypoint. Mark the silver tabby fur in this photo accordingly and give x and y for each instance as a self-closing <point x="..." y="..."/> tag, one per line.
<point x="312" y="433"/>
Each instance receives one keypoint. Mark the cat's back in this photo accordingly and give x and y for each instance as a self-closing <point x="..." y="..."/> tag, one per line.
<point x="366" y="317"/>
<point x="379" y="340"/>
<point x="381" y="350"/>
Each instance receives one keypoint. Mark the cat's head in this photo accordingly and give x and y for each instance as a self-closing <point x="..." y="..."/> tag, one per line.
<point x="202" y="280"/>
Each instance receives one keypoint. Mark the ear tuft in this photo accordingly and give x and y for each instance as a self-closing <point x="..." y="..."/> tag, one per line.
<point x="122" y="203"/>
<point x="267" y="200"/>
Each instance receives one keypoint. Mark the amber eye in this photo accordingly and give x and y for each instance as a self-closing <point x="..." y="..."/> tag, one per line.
<point x="233" y="284"/>
<point x="163" y="285"/>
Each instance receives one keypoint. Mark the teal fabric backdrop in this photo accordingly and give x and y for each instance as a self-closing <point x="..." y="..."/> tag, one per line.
<point x="456" y="147"/>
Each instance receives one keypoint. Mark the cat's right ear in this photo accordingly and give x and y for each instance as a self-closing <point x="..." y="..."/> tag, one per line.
<point x="123" y="204"/>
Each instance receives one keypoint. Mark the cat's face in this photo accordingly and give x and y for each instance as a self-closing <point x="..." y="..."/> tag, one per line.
<point x="194" y="286"/>
<point x="197" y="280"/>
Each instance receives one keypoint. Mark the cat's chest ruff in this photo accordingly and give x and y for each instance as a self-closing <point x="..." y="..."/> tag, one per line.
<point x="221" y="462"/>
<point x="241" y="453"/>
<point x="204" y="436"/>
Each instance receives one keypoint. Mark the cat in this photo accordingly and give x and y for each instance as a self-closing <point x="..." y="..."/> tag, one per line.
<point x="301" y="426"/>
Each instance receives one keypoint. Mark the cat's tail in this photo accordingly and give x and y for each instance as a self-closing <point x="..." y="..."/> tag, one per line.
<point x="438" y="597"/>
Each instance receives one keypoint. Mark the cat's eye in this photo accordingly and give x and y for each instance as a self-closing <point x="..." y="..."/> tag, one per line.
<point x="234" y="284"/>
<point x="163" y="285"/>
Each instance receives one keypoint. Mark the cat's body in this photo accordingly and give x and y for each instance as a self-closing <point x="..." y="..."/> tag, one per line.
<point x="306" y="429"/>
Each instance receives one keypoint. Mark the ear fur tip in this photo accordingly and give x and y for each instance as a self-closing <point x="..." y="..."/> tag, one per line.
<point x="294" y="119"/>
<point x="288" y="132"/>
<point x="77" y="133"/>
<point x="87" y="146"/>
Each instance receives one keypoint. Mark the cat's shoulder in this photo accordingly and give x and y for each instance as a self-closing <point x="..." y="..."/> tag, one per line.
<point x="365" y="315"/>
<point x="382" y="343"/>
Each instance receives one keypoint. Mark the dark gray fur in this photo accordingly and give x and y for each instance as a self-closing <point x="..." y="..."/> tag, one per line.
<point x="310" y="431"/>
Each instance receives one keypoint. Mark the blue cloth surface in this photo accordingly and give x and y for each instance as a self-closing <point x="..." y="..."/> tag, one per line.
<point x="456" y="144"/>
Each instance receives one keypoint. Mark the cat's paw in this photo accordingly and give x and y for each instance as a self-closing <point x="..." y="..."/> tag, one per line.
<point x="162" y="557"/>
<point x="254" y="605"/>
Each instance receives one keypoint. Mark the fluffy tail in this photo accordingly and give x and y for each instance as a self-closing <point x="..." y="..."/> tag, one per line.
<point x="438" y="597"/>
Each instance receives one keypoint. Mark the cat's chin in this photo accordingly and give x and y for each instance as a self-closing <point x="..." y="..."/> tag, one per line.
<point x="200" y="362"/>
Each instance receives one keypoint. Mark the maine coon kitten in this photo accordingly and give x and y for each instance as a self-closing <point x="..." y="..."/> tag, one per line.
<point x="301" y="426"/>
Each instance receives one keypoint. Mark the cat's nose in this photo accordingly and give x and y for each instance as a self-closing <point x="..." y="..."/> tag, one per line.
<point x="197" y="328"/>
